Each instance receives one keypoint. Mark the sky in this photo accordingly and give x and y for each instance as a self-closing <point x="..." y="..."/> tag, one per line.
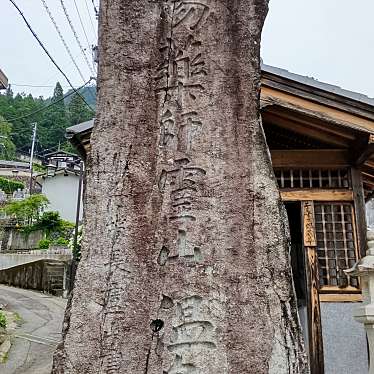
<point x="23" y="60"/>
<point x="330" y="40"/>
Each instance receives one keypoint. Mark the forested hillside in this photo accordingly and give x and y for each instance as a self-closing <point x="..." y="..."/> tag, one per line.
<point x="53" y="116"/>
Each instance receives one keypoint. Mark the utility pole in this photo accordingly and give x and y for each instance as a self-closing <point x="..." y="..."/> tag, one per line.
<point x="32" y="154"/>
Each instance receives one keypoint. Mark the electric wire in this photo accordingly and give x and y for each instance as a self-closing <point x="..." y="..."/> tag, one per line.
<point x="81" y="22"/>
<point x="76" y="36"/>
<point x="48" y="54"/>
<point x="95" y="9"/>
<point x="62" y="39"/>
<point x="51" y="104"/>
<point x="35" y="85"/>
<point x="89" y="16"/>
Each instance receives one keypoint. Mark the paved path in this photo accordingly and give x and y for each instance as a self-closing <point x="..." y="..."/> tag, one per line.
<point x="38" y="335"/>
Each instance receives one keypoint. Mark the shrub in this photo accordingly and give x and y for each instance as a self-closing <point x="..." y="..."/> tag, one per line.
<point x="3" y="321"/>
<point x="61" y="241"/>
<point x="9" y="186"/>
<point x="44" y="244"/>
<point x="49" y="221"/>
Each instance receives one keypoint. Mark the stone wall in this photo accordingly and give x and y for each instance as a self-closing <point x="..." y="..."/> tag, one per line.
<point x="14" y="239"/>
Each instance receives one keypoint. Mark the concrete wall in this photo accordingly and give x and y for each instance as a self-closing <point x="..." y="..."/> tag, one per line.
<point x="62" y="192"/>
<point x="370" y="214"/>
<point x="42" y="275"/>
<point x="344" y="340"/>
<point x="20" y="241"/>
<point x="8" y="260"/>
<point x="13" y="239"/>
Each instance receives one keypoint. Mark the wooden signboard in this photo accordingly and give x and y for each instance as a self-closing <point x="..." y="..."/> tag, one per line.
<point x="309" y="224"/>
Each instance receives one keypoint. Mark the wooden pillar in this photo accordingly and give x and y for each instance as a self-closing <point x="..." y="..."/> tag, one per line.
<point x="312" y="278"/>
<point x="360" y="211"/>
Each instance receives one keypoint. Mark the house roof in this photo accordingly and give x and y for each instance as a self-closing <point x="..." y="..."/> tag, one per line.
<point x="65" y="172"/>
<point x="312" y="82"/>
<point x="3" y="80"/>
<point x="81" y="127"/>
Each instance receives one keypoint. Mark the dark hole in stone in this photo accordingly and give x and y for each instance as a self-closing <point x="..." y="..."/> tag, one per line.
<point x="157" y="325"/>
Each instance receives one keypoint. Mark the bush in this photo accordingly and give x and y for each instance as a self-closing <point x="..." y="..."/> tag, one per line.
<point x="44" y="244"/>
<point x="3" y="321"/>
<point x="61" y="241"/>
<point x="9" y="186"/>
<point x="49" y="221"/>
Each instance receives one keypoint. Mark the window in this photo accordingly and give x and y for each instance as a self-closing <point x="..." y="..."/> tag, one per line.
<point x="313" y="178"/>
<point x="336" y="243"/>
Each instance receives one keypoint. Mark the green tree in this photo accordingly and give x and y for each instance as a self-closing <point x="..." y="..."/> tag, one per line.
<point x="27" y="210"/>
<point x="7" y="147"/>
<point x="54" y="122"/>
<point x="78" y="110"/>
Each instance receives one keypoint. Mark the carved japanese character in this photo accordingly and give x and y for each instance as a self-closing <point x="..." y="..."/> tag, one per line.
<point x="190" y="13"/>
<point x="178" y="367"/>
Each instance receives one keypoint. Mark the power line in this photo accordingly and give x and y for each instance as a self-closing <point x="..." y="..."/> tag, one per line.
<point x="62" y="38"/>
<point x="48" y="54"/>
<point x="95" y="9"/>
<point x="75" y="36"/>
<point x="35" y="85"/>
<point x="89" y="16"/>
<point x="81" y="22"/>
<point x="51" y="104"/>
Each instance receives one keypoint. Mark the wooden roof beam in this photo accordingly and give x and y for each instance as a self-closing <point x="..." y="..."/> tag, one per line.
<point x="321" y="158"/>
<point x="310" y="132"/>
<point x="365" y="155"/>
<point x="314" y="122"/>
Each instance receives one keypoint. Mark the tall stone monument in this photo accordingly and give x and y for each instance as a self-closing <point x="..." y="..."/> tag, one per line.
<point x="185" y="264"/>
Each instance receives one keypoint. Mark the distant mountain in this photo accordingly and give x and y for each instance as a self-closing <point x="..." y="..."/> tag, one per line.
<point x="89" y="93"/>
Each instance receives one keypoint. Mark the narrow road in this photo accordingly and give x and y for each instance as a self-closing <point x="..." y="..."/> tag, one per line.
<point x="39" y="333"/>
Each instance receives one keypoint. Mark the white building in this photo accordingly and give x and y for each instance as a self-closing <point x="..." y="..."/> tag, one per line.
<point x="62" y="193"/>
<point x="60" y="184"/>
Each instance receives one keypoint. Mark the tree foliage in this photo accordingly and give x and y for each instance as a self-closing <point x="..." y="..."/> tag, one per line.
<point x="78" y="110"/>
<point x="27" y="210"/>
<point x="9" y="186"/>
<point x="7" y="147"/>
<point x="16" y="124"/>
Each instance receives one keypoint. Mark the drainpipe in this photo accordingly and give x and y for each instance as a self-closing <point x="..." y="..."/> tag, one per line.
<point x="364" y="313"/>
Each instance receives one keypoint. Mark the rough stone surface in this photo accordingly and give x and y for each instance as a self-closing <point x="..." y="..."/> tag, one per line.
<point x="185" y="264"/>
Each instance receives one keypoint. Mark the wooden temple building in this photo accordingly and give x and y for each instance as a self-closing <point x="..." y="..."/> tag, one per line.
<point x="321" y="140"/>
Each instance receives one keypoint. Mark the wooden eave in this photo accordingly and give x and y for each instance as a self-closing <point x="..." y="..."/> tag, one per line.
<point x="334" y="137"/>
<point x="317" y="95"/>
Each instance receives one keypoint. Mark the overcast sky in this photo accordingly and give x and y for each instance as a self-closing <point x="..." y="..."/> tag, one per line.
<point x="330" y="40"/>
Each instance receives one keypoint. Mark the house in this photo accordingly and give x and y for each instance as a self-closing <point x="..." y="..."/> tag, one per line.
<point x="60" y="183"/>
<point x="321" y="141"/>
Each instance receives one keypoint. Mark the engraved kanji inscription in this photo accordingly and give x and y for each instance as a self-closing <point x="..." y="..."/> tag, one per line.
<point x="193" y="332"/>
<point x="179" y="133"/>
<point x="181" y="69"/>
<point x="192" y="14"/>
<point x="181" y="367"/>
